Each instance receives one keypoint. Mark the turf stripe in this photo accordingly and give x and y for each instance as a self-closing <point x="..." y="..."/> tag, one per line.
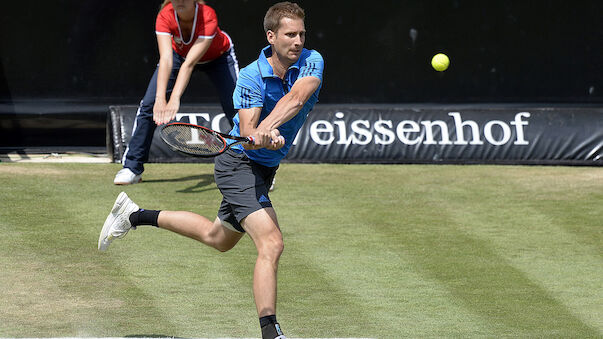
<point x="514" y="300"/>
<point x="101" y="291"/>
<point x="463" y="264"/>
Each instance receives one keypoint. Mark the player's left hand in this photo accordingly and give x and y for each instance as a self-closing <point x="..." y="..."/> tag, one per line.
<point x="277" y="140"/>
<point x="170" y="110"/>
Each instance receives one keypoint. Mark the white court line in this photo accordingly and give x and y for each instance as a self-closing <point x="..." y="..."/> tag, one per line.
<point x="54" y="158"/>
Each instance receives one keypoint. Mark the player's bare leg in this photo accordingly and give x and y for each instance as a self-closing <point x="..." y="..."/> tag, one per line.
<point x="126" y="215"/>
<point x="200" y="228"/>
<point x="262" y="227"/>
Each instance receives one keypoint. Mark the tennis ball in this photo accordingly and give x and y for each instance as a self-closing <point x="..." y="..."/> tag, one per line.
<point x="440" y="62"/>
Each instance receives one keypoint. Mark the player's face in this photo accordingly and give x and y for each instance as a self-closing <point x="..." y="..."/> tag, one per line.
<point x="288" y="41"/>
<point x="183" y="6"/>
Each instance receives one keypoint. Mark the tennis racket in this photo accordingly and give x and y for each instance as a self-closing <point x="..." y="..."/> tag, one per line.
<point x="197" y="140"/>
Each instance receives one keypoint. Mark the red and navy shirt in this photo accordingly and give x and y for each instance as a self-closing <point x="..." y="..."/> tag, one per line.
<point x="205" y="26"/>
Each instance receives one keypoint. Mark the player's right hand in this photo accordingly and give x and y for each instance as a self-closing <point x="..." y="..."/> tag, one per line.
<point x="261" y="138"/>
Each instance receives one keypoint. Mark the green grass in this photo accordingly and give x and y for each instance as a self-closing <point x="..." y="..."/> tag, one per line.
<point x="370" y="251"/>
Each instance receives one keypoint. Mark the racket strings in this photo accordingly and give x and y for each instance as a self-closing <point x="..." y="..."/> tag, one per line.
<point x="194" y="140"/>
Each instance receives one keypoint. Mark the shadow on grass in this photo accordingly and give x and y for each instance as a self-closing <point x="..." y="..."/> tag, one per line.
<point x="202" y="177"/>
<point x="205" y="182"/>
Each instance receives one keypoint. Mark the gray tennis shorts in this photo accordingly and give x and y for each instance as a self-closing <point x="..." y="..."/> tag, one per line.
<point x="244" y="185"/>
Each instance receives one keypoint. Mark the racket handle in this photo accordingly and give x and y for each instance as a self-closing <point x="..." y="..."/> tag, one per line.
<point x="251" y="140"/>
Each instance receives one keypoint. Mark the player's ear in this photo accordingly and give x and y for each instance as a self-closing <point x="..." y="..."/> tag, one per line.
<point x="270" y="36"/>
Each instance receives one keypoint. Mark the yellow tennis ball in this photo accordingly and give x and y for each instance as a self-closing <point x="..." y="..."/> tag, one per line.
<point x="440" y="62"/>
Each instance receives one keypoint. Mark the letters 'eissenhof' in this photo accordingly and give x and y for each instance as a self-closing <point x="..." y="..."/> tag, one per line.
<point x="455" y="131"/>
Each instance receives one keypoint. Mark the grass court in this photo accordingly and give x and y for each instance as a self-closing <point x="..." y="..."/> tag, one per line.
<point x="379" y="251"/>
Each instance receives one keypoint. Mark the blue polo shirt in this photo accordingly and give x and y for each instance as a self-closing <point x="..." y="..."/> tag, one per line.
<point x="258" y="86"/>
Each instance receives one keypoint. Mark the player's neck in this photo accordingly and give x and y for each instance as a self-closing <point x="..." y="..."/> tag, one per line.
<point x="279" y="67"/>
<point x="187" y="16"/>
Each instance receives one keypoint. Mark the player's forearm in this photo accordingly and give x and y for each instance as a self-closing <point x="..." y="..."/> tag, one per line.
<point x="184" y="76"/>
<point x="163" y="75"/>
<point x="285" y="109"/>
<point x="291" y="103"/>
<point x="248" y="121"/>
<point x="186" y="69"/>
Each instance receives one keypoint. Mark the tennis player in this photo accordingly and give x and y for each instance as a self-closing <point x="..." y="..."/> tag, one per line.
<point x="274" y="95"/>
<point x="188" y="38"/>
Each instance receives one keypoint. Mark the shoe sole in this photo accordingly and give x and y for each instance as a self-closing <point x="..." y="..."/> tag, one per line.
<point x="121" y="199"/>
<point x="128" y="183"/>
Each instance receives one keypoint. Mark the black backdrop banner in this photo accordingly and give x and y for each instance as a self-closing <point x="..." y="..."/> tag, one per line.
<point x="500" y="51"/>
<point x="495" y="134"/>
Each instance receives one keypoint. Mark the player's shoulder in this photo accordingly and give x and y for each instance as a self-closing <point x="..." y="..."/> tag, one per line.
<point x="166" y="14"/>
<point x="167" y="10"/>
<point x="207" y="11"/>
<point x="252" y="70"/>
<point x="250" y="76"/>
<point x="310" y="55"/>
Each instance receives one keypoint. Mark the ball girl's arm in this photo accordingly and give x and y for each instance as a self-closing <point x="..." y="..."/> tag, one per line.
<point x="164" y="43"/>
<point x="195" y="54"/>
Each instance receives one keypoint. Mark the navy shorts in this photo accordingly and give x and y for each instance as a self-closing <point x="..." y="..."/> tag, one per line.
<point x="244" y="185"/>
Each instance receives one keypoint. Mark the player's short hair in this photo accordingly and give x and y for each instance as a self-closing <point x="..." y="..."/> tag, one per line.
<point x="285" y="9"/>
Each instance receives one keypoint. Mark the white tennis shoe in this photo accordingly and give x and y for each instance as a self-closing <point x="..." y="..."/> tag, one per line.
<point x="117" y="223"/>
<point x="125" y="176"/>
